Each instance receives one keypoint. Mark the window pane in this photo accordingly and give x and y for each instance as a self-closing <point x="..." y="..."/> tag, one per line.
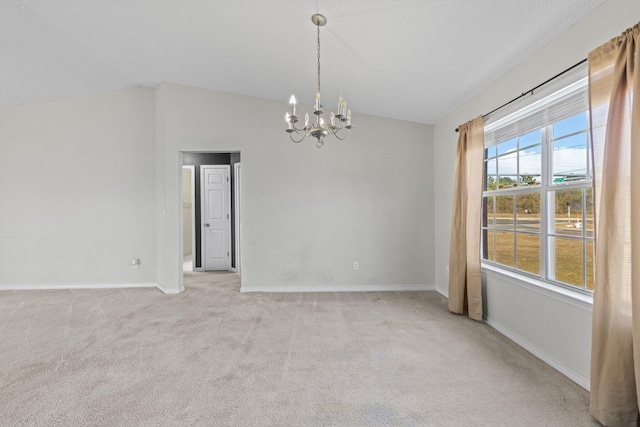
<point x="570" y="159"/>
<point x="508" y="170"/>
<point x="568" y="260"/>
<point x="491" y="175"/>
<point x="588" y="215"/>
<point x="531" y="138"/>
<point x="528" y="252"/>
<point x="489" y="216"/>
<point x="508" y="181"/>
<point x="589" y="253"/>
<point x="504" y="248"/>
<point x="570" y="125"/>
<point x="490" y="152"/>
<point x="507" y="146"/>
<point x="487" y="236"/>
<point x="568" y="212"/>
<point x="530" y="165"/>
<point x="528" y="212"/>
<point x="504" y="212"/>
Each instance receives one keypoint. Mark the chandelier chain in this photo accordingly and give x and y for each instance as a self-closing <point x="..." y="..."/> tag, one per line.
<point x="318" y="26"/>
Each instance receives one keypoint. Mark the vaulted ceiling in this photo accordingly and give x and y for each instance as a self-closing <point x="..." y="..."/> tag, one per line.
<point x="413" y="60"/>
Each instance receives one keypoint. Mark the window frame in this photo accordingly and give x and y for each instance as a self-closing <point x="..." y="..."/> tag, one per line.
<point x="547" y="188"/>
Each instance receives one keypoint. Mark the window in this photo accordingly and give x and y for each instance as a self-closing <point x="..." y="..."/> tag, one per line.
<point x="538" y="202"/>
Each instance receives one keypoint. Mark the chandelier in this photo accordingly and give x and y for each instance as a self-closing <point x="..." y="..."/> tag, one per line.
<point x="339" y="125"/>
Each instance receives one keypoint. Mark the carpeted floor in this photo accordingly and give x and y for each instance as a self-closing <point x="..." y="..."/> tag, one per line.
<point x="214" y="356"/>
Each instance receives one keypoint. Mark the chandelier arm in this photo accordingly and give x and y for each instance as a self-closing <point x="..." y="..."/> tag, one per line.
<point x="335" y="129"/>
<point x="344" y="138"/>
<point x="297" y="141"/>
<point x="297" y="129"/>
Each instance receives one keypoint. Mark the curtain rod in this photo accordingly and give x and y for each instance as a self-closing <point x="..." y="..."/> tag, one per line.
<point x="530" y="91"/>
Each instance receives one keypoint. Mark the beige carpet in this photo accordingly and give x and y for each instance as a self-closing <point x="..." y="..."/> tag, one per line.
<point x="214" y="356"/>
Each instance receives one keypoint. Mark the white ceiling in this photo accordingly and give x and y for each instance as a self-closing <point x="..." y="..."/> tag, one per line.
<point x="413" y="60"/>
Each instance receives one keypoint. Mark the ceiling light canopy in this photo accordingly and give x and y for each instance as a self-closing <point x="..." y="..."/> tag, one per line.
<point x="339" y="124"/>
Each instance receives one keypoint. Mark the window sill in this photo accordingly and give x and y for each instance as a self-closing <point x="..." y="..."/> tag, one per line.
<point x="568" y="296"/>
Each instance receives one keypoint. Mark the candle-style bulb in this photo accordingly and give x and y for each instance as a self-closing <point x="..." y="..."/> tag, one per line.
<point x="292" y="101"/>
<point x="348" y="117"/>
<point x="333" y="119"/>
<point x="306" y="120"/>
<point x="318" y="96"/>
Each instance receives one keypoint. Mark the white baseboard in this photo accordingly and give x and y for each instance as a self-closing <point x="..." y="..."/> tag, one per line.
<point x="338" y="288"/>
<point x="569" y="372"/>
<point x="50" y="286"/>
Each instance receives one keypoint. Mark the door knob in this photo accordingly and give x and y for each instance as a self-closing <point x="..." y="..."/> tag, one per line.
<point x="206" y="224"/>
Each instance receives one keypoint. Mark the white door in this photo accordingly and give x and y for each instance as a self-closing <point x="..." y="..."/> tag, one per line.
<point x="216" y="217"/>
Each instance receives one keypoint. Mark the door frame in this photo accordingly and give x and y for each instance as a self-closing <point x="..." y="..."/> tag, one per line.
<point x="193" y="213"/>
<point x="203" y="250"/>
<point x="237" y="202"/>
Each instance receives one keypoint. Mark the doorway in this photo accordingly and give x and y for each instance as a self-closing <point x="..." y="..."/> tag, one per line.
<point x="200" y="233"/>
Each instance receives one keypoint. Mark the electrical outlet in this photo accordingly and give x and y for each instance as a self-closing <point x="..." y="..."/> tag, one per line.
<point x="446" y="270"/>
<point x="356" y="265"/>
<point x="135" y="262"/>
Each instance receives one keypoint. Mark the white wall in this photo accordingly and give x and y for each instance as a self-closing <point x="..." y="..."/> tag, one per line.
<point x="518" y="311"/>
<point x="87" y="184"/>
<point x="308" y="213"/>
<point x="77" y="190"/>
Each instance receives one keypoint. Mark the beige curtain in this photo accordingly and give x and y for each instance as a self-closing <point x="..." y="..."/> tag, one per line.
<point x="614" y="92"/>
<point x="465" y="293"/>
